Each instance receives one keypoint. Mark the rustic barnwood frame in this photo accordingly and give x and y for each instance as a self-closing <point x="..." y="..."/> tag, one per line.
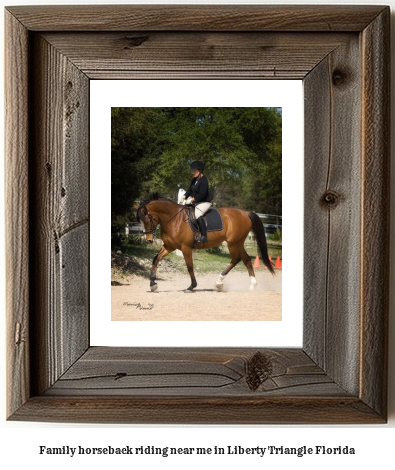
<point x="339" y="375"/>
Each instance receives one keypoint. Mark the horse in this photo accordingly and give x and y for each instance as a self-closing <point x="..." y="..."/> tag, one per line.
<point x="177" y="234"/>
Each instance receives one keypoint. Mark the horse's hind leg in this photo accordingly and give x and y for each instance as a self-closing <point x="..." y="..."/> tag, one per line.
<point x="234" y="252"/>
<point x="247" y="261"/>
<point x="162" y="253"/>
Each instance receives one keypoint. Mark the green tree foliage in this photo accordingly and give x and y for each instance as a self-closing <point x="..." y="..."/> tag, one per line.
<point x="241" y="147"/>
<point x="134" y="150"/>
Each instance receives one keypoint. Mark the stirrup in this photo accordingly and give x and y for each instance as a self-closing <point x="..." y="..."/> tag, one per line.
<point x="198" y="239"/>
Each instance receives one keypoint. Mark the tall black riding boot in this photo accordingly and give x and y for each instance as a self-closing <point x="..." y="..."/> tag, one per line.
<point x="203" y="230"/>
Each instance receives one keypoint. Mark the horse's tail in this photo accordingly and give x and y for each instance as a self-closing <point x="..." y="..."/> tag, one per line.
<point x="259" y="232"/>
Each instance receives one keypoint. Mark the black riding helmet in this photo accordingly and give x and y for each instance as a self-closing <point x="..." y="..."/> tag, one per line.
<point x="197" y="166"/>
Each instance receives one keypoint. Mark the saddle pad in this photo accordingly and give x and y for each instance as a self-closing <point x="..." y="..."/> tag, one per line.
<point x="213" y="221"/>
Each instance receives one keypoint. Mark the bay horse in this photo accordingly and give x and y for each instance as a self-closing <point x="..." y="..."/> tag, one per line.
<point x="177" y="234"/>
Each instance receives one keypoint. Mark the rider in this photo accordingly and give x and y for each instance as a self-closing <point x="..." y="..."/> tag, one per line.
<point x="198" y="195"/>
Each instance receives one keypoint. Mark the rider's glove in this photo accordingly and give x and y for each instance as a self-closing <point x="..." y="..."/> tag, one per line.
<point x="189" y="200"/>
<point x="182" y="198"/>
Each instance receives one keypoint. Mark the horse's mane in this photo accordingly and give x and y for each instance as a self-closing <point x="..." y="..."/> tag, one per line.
<point x="151" y="197"/>
<point x="154" y="197"/>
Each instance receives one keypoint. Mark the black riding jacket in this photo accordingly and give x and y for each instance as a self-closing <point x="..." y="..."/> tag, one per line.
<point x="199" y="190"/>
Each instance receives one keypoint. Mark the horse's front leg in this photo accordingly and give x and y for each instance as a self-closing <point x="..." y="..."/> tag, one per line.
<point x="187" y="252"/>
<point x="162" y="253"/>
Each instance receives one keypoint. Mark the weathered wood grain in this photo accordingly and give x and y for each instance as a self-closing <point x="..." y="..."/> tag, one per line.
<point x="123" y="385"/>
<point x="60" y="123"/>
<point x="196" y="54"/>
<point x="17" y="213"/>
<point x="186" y="372"/>
<point x="333" y="213"/>
<point x="198" y="410"/>
<point x="339" y="376"/>
<point x="375" y="212"/>
<point x="196" y="18"/>
<point x="317" y="113"/>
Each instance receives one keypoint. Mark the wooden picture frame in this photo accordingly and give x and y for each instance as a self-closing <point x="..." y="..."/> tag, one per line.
<point x="340" y="374"/>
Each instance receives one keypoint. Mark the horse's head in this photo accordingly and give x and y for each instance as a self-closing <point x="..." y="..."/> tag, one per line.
<point x="148" y="221"/>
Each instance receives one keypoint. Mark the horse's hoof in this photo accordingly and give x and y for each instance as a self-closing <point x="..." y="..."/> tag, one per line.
<point x="219" y="285"/>
<point x="190" y="289"/>
<point x="154" y="287"/>
<point x="253" y="283"/>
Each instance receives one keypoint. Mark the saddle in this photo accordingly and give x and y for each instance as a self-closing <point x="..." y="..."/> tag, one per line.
<point x="212" y="218"/>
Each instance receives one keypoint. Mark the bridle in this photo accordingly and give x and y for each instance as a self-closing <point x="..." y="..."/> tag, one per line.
<point x="153" y="227"/>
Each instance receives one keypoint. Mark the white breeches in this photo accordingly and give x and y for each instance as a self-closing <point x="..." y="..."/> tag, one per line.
<point x="202" y="208"/>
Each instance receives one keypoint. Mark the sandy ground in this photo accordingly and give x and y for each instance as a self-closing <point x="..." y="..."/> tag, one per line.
<point x="132" y="299"/>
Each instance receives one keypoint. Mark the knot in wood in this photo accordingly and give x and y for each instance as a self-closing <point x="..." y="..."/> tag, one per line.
<point x="330" y="199"/>
<point x="135" y="41"/>
<point x="340" y="77"/>
<point x="259" y="369"/>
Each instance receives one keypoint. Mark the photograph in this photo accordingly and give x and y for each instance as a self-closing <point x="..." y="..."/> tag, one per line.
<point x="196" y="208"/>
